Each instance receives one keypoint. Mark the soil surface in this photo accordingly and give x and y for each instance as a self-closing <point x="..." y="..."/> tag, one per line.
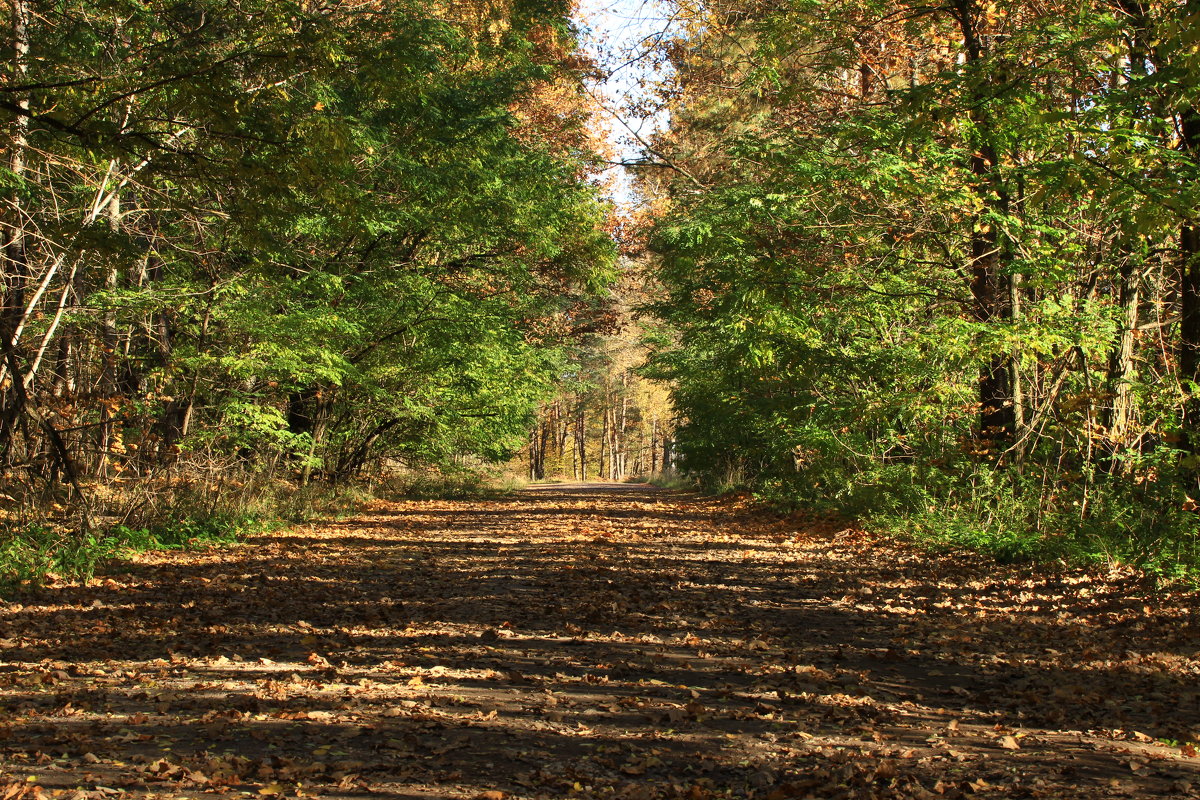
<point x="595" y="642"/>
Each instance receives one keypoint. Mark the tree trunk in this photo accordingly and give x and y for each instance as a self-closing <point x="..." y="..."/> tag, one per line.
<point x="538" y="439"/>
<point x="1189" y="296"/>
<point x="654" y="445"/>
<point x="622" y="445"/>
<point x="14" y="268"/>
<point x="353" y="461"/>
<point x="533" y="445"/>
<point x="563" y="429"/>
<point x="1118" y="415"/>
<point x="108" y="343"/>
<point x="604" y="428"/>
<point x="990" y="287"/>
<point x="544" y="440"/>
<point x="581" y="443"/>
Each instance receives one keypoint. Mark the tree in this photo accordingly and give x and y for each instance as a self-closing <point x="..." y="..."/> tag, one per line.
<point x="864" y="204"/>
<point x="276" y="239"/>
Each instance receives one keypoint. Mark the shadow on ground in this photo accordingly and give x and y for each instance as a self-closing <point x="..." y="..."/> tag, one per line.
<point x="607" y="641"/>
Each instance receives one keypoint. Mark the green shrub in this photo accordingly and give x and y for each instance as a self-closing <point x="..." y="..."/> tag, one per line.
<point x="34" y="554"/>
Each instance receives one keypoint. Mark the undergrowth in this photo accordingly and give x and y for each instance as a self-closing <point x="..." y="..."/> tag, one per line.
<point x="35" y="549"/>
<point x="672" y="480"/>
<point x="1028" y="519"/>
<point x="34" y="554"/>
<point x="437" y="485"/>
<point x="1013" y="518"/>
<point x="1167" y="549"/>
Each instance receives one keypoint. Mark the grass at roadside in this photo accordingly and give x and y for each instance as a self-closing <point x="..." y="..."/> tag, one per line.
<point x="672" y="480"/>
<point x="53" y="546"/>
<point x="37" y="553"/>
<point x="1166" y="548"/>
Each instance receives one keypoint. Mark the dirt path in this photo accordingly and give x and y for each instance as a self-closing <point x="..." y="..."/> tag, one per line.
<point x="594" y="642"/>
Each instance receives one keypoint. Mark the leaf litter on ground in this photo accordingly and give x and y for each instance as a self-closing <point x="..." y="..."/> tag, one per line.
<point x="595" y="641"/>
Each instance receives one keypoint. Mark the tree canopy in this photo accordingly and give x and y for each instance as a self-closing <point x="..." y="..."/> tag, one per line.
<point x="294" y="237"/>
<point x="939" y="260"/>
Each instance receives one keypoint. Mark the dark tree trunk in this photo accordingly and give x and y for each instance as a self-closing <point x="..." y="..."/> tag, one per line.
<point x="14" y="269"/>
<point x="581" y="443"/>
<point x="990" y="286"/>
<point x="353" y="461"/>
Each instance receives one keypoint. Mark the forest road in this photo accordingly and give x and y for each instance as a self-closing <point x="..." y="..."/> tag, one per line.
<point x="595" y="641"/>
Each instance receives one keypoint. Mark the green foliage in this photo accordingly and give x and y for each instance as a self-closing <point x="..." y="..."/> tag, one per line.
<point x="294" y="241"/>
<point x="33" y="554"/>
<point x="1016" y="523"/>
<point x="884" y="227"/>
<point x="460" y="484"/>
